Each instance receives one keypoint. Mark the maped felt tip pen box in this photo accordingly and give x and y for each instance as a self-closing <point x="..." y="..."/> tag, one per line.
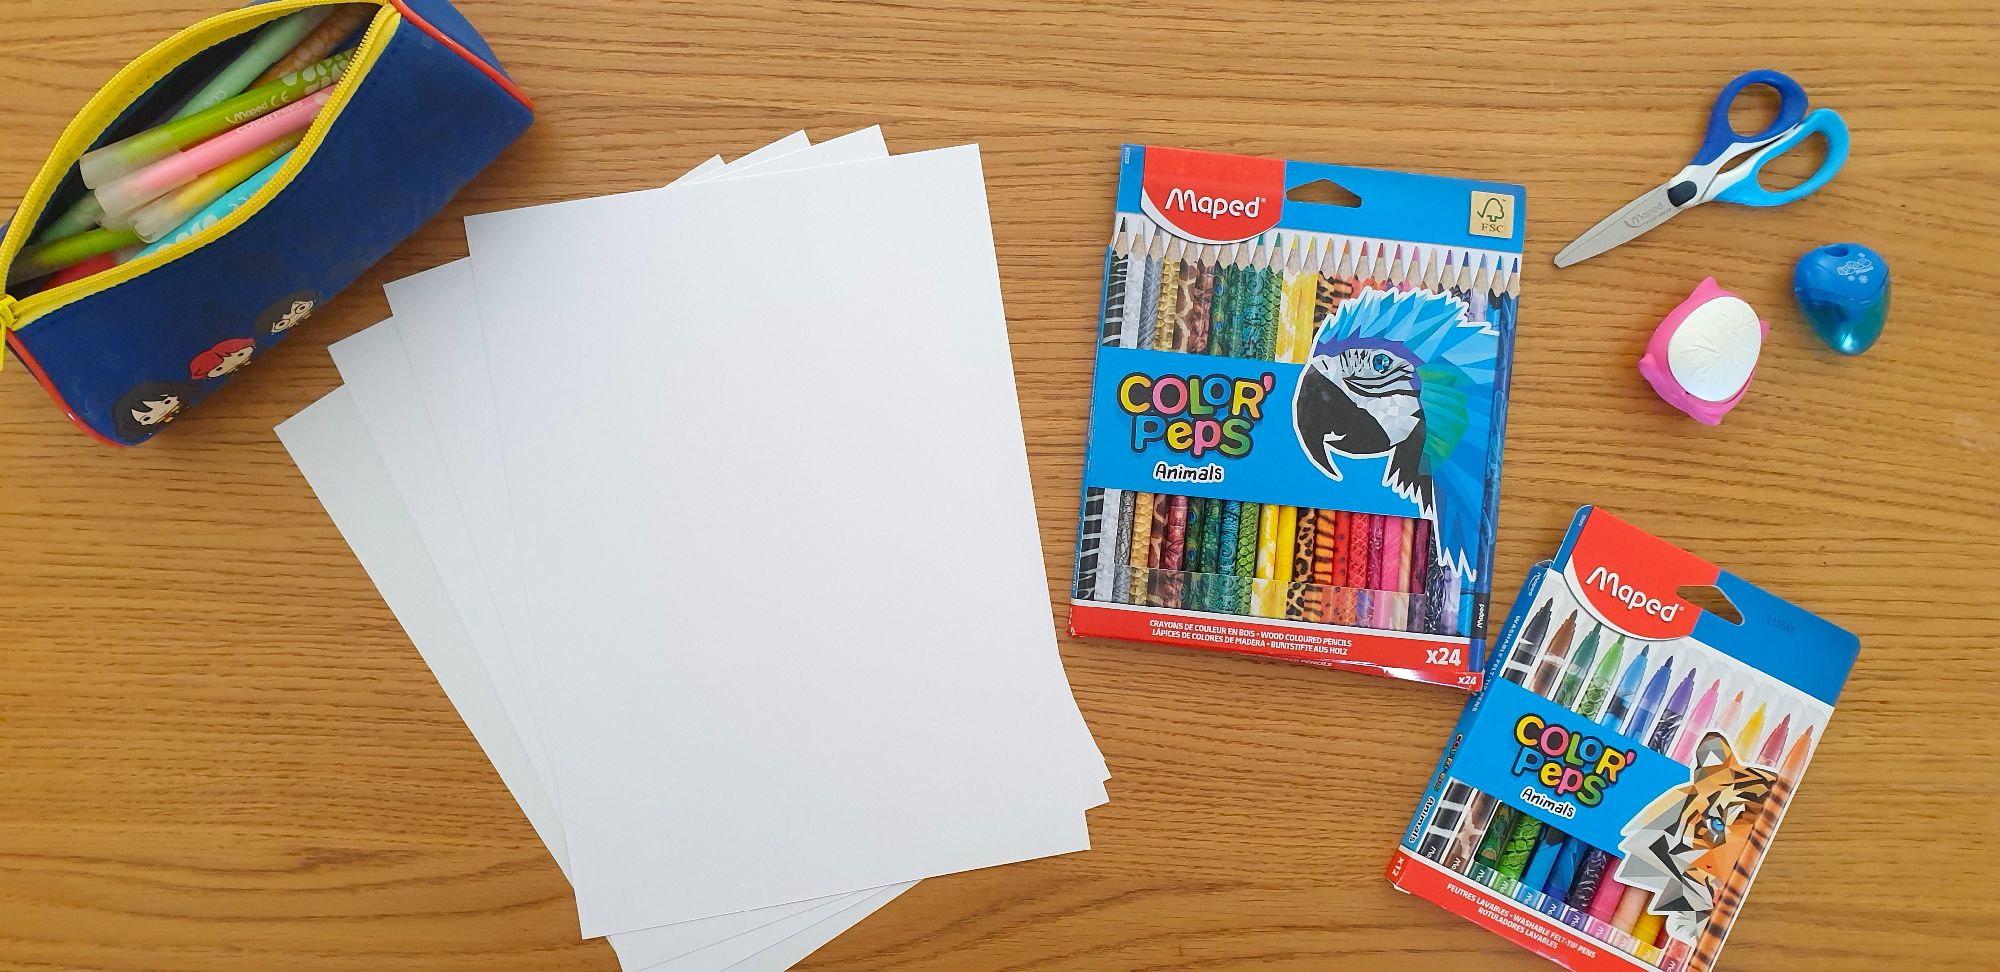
<point x="1607" y="799"/>
<point x="1297" y="414"/>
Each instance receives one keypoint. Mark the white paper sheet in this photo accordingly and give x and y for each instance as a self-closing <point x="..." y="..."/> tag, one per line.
<point x="440" y="331"/>
<point x="330" y="442"/>
<point x="383" y="387"/>
<point x="794" y="142"/>
<point x="491" y="606"/>
<point x="384" y="393"/>
<point x="751" y="936"/>
<point x="804" y="932"/>
<point x="627" y="464"/>
<point x="793" y="950"/>
<point x="855" y="146"/>
<point x="422" y="480"/>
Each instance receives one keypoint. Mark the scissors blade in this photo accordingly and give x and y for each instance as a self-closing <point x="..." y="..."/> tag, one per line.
<point x="1636" y="217"/>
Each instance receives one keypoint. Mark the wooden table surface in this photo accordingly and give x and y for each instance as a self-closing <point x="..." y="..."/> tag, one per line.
<point x="219" y="751"/>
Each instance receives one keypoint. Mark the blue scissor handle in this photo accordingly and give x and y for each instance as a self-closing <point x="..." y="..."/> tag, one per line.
<point x="1746" y="191"/>
<point x="1791" y="108"/>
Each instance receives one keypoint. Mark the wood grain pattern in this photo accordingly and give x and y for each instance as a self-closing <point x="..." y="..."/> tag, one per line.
<point x="218" y="751"/>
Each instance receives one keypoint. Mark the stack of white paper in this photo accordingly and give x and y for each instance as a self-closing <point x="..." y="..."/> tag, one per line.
<point x="710" y="510"/>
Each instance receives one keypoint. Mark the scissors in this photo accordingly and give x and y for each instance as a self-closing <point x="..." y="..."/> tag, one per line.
<point x="1705" y="179"/>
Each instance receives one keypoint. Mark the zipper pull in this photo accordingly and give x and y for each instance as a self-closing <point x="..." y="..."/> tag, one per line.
<point x="7" y="319"/>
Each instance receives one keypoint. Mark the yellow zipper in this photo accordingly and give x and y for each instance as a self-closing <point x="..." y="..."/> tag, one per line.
<point x="119" y="94"/>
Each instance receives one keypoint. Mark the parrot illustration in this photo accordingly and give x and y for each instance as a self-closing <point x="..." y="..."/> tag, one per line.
<point x="1406" y="375"/>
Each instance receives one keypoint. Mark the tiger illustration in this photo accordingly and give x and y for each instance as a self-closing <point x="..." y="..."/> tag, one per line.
<point x="1683" y="845"/>
<point x="1729" y="896"/>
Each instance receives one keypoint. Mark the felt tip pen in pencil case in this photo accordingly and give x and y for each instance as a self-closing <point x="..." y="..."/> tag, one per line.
<point x="260" y="207"/>
<point x="101" y="166"/>
<point x="124" y="196"/>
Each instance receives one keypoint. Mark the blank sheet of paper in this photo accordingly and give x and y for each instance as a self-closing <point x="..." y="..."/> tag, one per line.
<point x="901" y="658"/>
<point x="445" y="348"/>
<point x="330" y="442"/>
<point x="912" y="762"/>
<point x="437" y="317"/>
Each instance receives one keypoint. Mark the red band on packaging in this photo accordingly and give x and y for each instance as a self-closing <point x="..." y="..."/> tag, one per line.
<point x="1418" y="657"/>
<point x="1631" y="578"/>
<point x="1505" y="917"/>
<point x="1211" y="198"/>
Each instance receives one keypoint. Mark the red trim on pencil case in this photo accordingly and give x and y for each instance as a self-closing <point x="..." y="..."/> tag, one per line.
<point x="487" y="69"/>
<point x="1474" y="902"/>
<point x="1365" y="651"/>
<point x="35" y="368"/>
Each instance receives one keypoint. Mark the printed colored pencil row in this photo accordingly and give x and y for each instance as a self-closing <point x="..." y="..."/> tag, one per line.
<point x="1265" y="300"/>
<point x="1517" y="855"/>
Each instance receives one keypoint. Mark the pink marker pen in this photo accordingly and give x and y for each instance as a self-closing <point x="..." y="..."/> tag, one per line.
<point x="122" y="198"/>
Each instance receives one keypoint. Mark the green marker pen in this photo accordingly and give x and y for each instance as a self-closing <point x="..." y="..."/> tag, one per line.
<point x="121" y="158"/>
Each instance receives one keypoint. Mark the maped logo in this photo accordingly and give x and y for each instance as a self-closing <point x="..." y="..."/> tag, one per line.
<point x="1214" y="207"/>
<point x="1632" y="580"/>
<point x="1634" y="598"/>
<point x="1210" y="198"/>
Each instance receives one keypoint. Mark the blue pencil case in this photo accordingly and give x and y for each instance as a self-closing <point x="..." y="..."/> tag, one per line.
<point x="422" y="107"/>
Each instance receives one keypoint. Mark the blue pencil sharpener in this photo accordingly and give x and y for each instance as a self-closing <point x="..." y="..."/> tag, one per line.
<point x="1843" y="291"/>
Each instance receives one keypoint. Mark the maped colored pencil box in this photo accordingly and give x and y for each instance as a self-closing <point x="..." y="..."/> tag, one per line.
<point x="1297" y="412"/>
<point x="1607" y="799"/>
<point x="420" y="106"/>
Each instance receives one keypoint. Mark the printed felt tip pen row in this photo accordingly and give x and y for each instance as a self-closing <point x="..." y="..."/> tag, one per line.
<point x="1609" y="794"/>
<point x="1658" y="697"/>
